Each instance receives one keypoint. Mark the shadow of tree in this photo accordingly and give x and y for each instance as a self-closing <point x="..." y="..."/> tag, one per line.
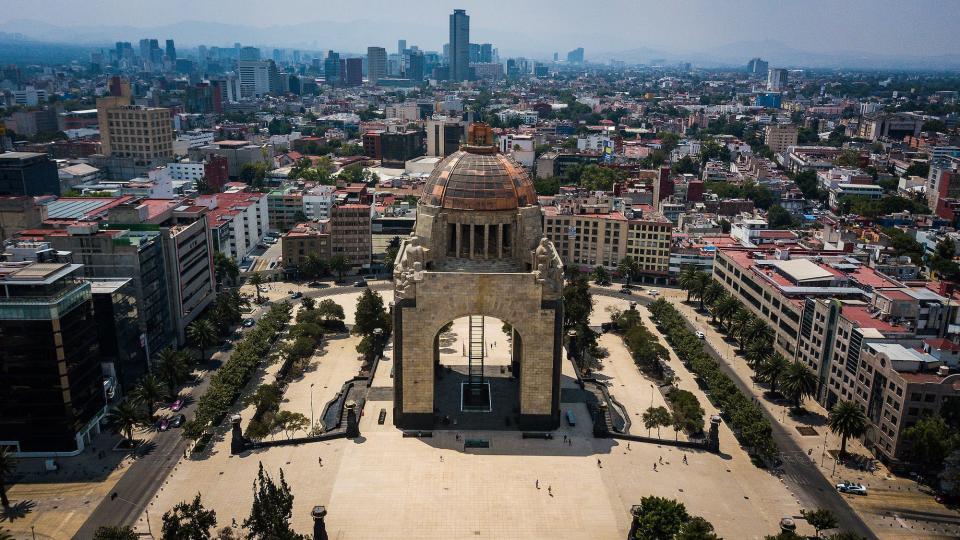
<point x="17" y="511"/>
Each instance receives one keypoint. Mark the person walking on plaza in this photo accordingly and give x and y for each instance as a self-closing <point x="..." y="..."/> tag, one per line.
<point x="654" y="466"/>
<point x="598" y="463"/>
<point x="538" y="483"/>
<point x="685" y="460"/>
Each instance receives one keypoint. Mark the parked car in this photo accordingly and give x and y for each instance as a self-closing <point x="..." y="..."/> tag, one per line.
<point x="177" y="420"/>
<point x="653" y="292"/>
<point x="313" y="284"/>
<point x="626" y="290"/>
<point x="360" y="283"/>
<point x="701" y="335"/>
<point x="163" y="424"/>
<point x="852" y="488"/>
<point x="176" y="405"/>
<point x="248" y="323"/>
<point x="296" y="295"/>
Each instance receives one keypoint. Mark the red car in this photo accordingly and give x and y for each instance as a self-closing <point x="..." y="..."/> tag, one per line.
<point x="176" y="405"/>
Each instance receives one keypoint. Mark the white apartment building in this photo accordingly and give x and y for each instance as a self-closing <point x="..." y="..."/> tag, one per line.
<point x="520" y="147"/>
<point x="186" y="169"/>
<point x="317" y="202"/>
<point x="254" y="78"/>
<point x="238" y="221"/>
<point x="405" y="112"/>
<point x="29" y="96"/>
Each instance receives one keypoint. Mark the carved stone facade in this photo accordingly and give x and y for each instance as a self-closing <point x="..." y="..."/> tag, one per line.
<point x="472" y="255"/>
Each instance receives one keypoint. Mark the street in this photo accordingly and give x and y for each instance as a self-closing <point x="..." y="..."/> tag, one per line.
<point x="801" y="475"/>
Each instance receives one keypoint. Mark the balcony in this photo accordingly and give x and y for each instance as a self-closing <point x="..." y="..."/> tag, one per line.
<point x="43" y="308"/>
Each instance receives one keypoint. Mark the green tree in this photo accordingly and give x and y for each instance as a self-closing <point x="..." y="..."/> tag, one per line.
<point x="692" y="280"/>
<point x="725" y="308"/>
<point x="271" y="510"/>
<point x="226" y="268"/>
<point x="659" y="518"/>
<point x="114" y="533"/>
<point x="150" y="391"/>
<point x="779" y="218"/>
<point x="172" y="368"/>
<point x="847" y="419"/>
<point x="820" y="519"/>
<point x="798" y="382"/>
<point x="931" y="440"/>
<point x="713" y="292"/>
<point x="267" y="397"/>
<point x="696" y="529"/>
<point x="656" y="417"/>
<point x="739" y="324"/>
<point x="290" y="422"/>
<point x="339" y="264"/>
<point x="772" y="370"/>
<point x="601" y="276"/>
<point x="577" y="301"/>
<point x="8" y="464"/>
<point x="628" y="268"/>
<point x="256" y="279"/>
<point x="330" y="310"/>
<point x="188" y="521"/>
<point x="370" y="314"/>
<point x="202" y="333"/>
<point x="123" y="419"/>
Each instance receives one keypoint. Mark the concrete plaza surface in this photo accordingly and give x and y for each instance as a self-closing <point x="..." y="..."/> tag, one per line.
<point x="382" y="485"/>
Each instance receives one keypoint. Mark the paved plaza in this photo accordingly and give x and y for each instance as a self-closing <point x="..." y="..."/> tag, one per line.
<point x="383" y="485"/>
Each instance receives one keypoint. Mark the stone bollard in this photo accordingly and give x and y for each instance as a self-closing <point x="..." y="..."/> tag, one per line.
<point x="237" y="443"/>
<point x="353" y="425"/>
<point x="713" y="440"/>
<point x="319" y="527"/>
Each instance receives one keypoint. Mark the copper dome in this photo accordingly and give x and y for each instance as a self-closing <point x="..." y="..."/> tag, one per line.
<point x="478" y="178"/>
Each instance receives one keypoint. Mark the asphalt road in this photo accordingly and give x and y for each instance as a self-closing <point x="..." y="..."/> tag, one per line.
<point x="799" y="472"/>
<point x="146" y="475"/>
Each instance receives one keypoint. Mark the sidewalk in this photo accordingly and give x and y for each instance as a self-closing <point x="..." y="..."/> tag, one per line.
<point x="887" y="492"/>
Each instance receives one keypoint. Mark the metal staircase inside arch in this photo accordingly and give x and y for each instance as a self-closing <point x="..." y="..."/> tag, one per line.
<point x="476" y="352"/>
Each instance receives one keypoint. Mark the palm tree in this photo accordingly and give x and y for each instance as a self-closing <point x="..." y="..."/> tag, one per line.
<point x="711" y="293"/>
<point x="338" y="263"/>
<point x="655" y="417"/>
<point x="758" y="330"/>
<point x="7" y="465"/>
<point x="123" y="419"/>
<point x="202" y="333"/>
<point x="149" y="391"/>
<point x="772" y="370"/>
<point x="172" y="367"/>
<point x="847" y="419"/>
<point x="739" y="322"/>
<point x="724" y="307"/>
<point x="688" y="277"/>
<point x="798" y="382"/>
<point x="627" y="268"/>
<point x="256" y="279"/>
<point x="757" y="353"/>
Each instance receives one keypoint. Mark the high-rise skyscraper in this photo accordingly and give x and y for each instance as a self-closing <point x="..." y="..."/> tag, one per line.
<point x="415" y="69"/>
<point x="353" y="69"/>
<point x="757" y="66"/>
<point x="575" y="56"/>
<point x="776" y="79"/>
<point x="401" y="46"/>
<point x="459" y="45"/>
<point x="486" y="53"/>
<point x="376" y="64"/>
<point x="171" y="51"/>
<point x="331" y="68"/>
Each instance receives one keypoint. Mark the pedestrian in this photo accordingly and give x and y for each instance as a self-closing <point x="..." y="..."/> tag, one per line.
<point x="441" y="459"/>
<point x="628" y="446"/>
<point x="538" y="483"/>
<point x="564" y="439"/>
<point x="654" y="467"/>
<point x="685" y="460"/>
<point x="550" y="490"/>
<point x="661" y="460"/>
<point x="598" y="463"/>
<point x="320" y="461"/>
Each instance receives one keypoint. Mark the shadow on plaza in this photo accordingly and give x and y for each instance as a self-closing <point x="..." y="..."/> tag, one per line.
<point x="95" y="464"/>
<point x="16" y="511"/>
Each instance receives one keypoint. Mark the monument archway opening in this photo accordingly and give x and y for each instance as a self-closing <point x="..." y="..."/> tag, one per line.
<point x="478" y="252"/>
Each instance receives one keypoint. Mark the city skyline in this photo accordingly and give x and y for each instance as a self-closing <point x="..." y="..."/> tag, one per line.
<point x="846" y="37"/>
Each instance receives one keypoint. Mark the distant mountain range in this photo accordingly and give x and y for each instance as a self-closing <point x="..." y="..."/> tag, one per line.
<point x="355" y="36"/>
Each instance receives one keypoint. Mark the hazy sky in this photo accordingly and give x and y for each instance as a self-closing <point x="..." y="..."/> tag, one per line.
<point x="878" y="26"/>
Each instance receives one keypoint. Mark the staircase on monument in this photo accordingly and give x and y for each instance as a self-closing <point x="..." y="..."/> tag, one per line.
<point x="475" y="358"/>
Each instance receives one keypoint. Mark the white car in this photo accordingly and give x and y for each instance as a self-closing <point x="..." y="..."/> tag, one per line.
<point x="701" y="335"/>
<point x="653" y="292"/>
<point x="850" y="487"/>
